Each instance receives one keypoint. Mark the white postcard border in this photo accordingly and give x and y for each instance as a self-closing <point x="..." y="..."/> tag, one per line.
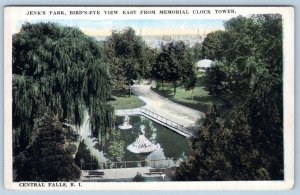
<point x="12" y="14"/>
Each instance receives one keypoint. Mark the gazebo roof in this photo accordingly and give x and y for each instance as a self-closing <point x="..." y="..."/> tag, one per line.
<point x="206" y="63"/>
<point x="141" y="145"/>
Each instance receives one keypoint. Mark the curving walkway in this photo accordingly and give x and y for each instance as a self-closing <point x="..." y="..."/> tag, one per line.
<point x="175" y="112"/>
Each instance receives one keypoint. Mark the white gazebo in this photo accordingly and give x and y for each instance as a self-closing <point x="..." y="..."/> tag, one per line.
<point x="202" y="65"/>
<point x="142" y="144"/>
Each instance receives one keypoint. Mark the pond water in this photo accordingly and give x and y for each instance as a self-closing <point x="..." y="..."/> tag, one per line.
<point x="172" y="147"/>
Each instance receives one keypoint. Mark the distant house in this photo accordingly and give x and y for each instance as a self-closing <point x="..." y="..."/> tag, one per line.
<point x="202" y="65"/>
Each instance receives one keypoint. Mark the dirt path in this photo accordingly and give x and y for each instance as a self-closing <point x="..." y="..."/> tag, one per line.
<point x="165" y="107"/>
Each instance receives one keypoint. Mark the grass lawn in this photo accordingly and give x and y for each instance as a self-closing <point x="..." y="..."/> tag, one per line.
<point x="198" y="99"/>
<point x="121" y="100"/>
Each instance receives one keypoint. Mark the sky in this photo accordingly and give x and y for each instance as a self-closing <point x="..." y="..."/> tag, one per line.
<point x="100" y="28"/>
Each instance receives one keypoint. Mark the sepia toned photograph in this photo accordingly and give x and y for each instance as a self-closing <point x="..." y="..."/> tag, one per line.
<point x="149" y="96"/>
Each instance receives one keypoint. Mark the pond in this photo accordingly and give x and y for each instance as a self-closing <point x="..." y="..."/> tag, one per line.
<point x="172" y="147"/>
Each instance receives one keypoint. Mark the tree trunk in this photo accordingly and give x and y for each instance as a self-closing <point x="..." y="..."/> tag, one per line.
<point x="129" y="89"/>
<point x="174" y="87"/>
<point x="192" y="94"/>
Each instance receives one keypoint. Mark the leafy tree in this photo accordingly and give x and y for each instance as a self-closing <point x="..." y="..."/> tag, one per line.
<point x="223" y="152"/>
<point x="197" y="51"/>
<point x="248" y="78"/>
<point x="188" y="73"/>
<point x="214" y="78"/>
<point x="57" y="70"/>
<point x="116" y="147"/>
<point x="215" y="45"/>
<point x="252" y="68"/>
<point x="207" y="160"/>
<point x="129" y="57"/>
<point x="175" y="64"/>
<point x="46" y="158"/>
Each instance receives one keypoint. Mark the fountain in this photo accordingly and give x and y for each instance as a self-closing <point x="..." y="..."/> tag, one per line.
<point x="142" y="144"/>
<point x="125" y="124"/>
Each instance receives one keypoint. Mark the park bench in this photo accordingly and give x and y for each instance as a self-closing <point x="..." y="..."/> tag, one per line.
<point x="95" y="174"/>
<point x="159" y="172"/>
<point x="155" y="171"/>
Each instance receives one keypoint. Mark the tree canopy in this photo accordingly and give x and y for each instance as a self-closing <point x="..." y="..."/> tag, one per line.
<point x="129" y="57"/>
<point x="47" y="158"/>
<point x="61" y="71"/>
<point x="215" y="45"/>
<point x="175" y="64"/>
<point x="248" y="144"/>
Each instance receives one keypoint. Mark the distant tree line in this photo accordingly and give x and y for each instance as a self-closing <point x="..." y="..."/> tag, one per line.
<point x="247" y="143"/>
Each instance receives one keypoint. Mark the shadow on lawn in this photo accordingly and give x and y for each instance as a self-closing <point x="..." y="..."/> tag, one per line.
<point x="120" y="99"/>
<point x="121" y="93"/>
<point x="200" y="106"/>
<point x="118" y="93"/>
<point x="203" y="102"/>
<point x="168" y="93"/>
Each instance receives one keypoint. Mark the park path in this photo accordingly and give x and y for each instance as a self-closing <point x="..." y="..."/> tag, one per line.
<point x="158" y="104"/>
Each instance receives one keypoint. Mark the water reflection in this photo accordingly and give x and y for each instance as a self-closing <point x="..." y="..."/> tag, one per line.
<point x="171" y="146"/>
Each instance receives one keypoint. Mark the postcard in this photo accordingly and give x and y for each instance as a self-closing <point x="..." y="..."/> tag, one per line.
<point x="149" y="98"/>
